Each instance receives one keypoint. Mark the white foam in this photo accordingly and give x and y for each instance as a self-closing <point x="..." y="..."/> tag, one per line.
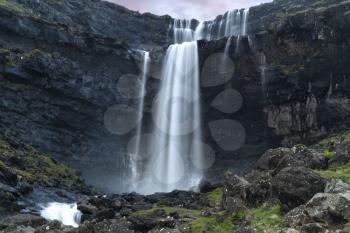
<point x="67" y="214"/>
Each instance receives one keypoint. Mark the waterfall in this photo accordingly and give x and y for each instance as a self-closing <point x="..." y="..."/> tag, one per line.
<point x="135" y="155"/>
<point x="245" y="22"/>
<point x="176" y="158"/>
<point x="177" y="118"/>
<point x="232" y="23"/>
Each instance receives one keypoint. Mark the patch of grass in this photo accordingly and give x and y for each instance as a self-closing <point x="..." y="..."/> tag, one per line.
<point x="215" y="223"/>
<point x="266" y="220"/>
<point x="215" y="196"/>
<point x="341" y="172"/>
<point x="328" y="154"/>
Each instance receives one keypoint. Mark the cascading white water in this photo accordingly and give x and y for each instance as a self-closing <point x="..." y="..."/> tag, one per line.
<point x="176" y="157"/>
<point x="232" y="23"/>
<point x="67" y="214"/>
<point x="176" y="113"/>
<point x="245" y="22"/>
<point x="135" y="156"/>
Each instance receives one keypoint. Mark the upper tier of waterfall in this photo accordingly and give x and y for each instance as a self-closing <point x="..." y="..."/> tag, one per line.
<point x="232" y="23"/>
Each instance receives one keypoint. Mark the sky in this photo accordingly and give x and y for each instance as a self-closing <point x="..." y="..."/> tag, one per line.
<point x="187" y="9"/>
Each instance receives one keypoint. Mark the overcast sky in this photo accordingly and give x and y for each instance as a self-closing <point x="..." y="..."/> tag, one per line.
<point x="199" y="9"/>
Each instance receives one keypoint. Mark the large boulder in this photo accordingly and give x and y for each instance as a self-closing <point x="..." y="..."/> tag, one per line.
<point x="326" y="207"/>
<point x="294" y="186"/>
<point x="272" y="158"/>
<point x="323" y="211"/>
<point x="337" y="186"/>
<point x="303" y="157"/>
<point x="260" y="189"/>
<point x="235" y="193"/>
<point x="299" y="156"/>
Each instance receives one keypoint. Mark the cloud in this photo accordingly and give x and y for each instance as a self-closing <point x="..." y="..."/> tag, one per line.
<point x="199" y="9"/>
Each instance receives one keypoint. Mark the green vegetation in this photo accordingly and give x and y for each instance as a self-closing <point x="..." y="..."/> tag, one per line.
<point x="215" y="224"/>
<point x="14" y="7"/>
<point x="330" y="140"/>
<point x="215" y="196"/>
<point x="341" y="172"/>
<point x="35" y="168"/>
<point x="328" y="154"/>
<point x="266" y="220"/>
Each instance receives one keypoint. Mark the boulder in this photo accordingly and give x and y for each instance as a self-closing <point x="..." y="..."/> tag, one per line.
<point x="323" y="211"/>
<point x="314" y="227"/>
<point x="23" y="220"/>
<point x="294" y="186"/>
<point x="235" y="193"/>
<point x="142" y="223"/>
<point x="329" y="207"/>
<point x="296" y="217"/>
<point x="275" y="160"/>
<point x="303" y="157"/>
<point x="271" y="158"/>
<point x="337" y="186"/>
<point x="259" y="189"/>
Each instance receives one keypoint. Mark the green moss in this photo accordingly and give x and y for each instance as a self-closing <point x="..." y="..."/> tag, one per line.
<point x="266" y="220"/>
<point x="215" y="196"/>
<point x="341" y="172"/>
<point x="36" y="168"/>
<point x="330" y="140"/>
<point x="213" y="224"/>
<point x="328" y="154"/>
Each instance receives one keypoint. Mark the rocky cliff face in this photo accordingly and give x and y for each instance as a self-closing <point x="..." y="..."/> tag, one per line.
<point x="292" y="72"/>
<point x="61" y="63"/>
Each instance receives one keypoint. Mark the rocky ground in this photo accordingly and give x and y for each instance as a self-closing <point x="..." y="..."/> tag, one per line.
<point x="290" y="190"/>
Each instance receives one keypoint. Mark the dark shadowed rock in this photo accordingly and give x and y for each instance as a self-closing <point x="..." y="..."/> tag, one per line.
<point x="342" y="153"/>
<point x="260" y="189"/>
<point x="295" y="186"/>
<point x="8" y="176"/>
<point x="272" y="158"/>
<point x="142" y="224"/>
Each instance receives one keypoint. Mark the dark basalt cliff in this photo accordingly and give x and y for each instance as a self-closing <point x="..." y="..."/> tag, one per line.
<point x="60" y="63"/>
